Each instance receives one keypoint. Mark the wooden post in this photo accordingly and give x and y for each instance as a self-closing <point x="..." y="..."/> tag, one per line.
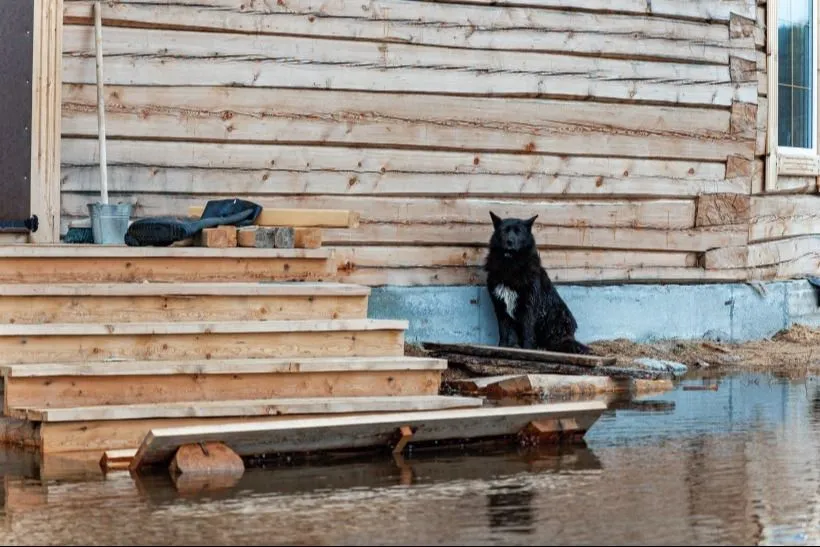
<point x="404" y="434"/>
<point x="101" y="102"/>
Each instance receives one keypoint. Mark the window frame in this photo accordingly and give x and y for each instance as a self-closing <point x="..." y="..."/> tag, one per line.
<point x="785" y="160"/>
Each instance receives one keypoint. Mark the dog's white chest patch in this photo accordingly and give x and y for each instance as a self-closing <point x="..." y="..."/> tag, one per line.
<point x="508" y="296"/>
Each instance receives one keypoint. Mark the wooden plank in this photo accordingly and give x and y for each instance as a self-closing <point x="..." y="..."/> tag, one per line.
<point x="113" y="460"/>
<point x="360" y="119"/>
<point x="555" y="386"/>
<point x="338" y="433"/>
<point x="113" y="251"/>
<point x="696" y="9"/>
<point x="149" y="346"/>
<point x="161" y="57"/>
<point x="475" y="276"/>
<point x="328" y="218"/>
<point x="162" y="308"/>
<point x="546" y="236"/>
<point x="192" y="387"/>
<point x="665" y="214"/>
<point x="61" y="269"/>
<point x="523" y="354"/>
<point x="140" y="167"/>
<point x="353" y="258"/>
<point x="283" y="289"/>
<point x="46" y="119"/>
<point x="782" y="216"/>
<point x="457" y="25"/>
<point x="224" y="366"/>
<point x="205" y="327"/>
<point x="239" y="408"/>
<point x="767" y="253"/>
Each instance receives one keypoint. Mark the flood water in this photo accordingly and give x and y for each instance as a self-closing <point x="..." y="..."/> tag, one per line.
<point x="736" y="466"/>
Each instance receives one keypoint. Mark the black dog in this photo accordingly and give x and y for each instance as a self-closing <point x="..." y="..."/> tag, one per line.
<point x="530" y="312"/>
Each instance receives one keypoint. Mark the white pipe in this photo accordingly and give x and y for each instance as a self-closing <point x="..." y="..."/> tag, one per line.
<point x="101" y="102"/>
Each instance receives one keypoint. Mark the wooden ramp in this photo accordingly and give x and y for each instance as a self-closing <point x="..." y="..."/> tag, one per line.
<point x="361" y="432"/>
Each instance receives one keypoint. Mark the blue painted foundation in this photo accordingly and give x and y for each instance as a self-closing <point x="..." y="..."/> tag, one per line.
<point x="729" y="312"/>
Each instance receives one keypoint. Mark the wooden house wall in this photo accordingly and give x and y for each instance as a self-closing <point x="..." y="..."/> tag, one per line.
<point x="634" y="129"/>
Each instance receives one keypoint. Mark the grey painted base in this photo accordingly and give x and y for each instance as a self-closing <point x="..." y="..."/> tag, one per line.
<point x="729" y="312"/>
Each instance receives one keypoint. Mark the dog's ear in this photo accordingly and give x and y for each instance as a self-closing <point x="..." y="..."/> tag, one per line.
<point x="530" y="221"/>
<point x="496" y="220"/>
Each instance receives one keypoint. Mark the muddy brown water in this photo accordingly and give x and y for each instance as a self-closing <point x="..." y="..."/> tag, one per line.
<point x="736" y="466"/>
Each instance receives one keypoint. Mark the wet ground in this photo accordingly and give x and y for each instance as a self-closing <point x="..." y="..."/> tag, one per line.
<point x="736" y="466"/>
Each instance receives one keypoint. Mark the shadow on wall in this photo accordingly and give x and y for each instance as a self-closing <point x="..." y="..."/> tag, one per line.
<point x="728" y="312"/>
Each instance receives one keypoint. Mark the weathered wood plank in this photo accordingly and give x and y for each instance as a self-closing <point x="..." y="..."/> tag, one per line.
<point x="722" y="209"/>
<point x="238" y="408"/>
<point x="187" y="289"/>
<point x="664" y="214"/>
<point x="768" y="253"/>
<point x="475" y="276"/>
<point x="782" y="216"/>
<point x="357" y="118"/>
<point x="136" y="253"/>
<point x="223" y="367"/>
<point x="523" y="354"/>
<point x="359" y="432"/>
<point x="555" y="386"/>
<point x="139" y="166"/>
<point x="159" y="57"/>
<point x="19" y="349"/>
<point x="350" y="258"/>
<point x="441" y="24"/>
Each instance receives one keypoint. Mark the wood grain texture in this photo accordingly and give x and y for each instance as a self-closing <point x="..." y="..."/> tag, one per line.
<point x="242" y="408"/>
<point x="190" y="167"/>
<point x="358" y="118"/>
<point x="358" y="432"/>
<point x="783" y="216"/>
<point x="161" y="57"/>
<point x="794" y="250"/>
<point x="663" y="214"/>
<point x="451" y="25"/>
<point x="97" y="348"/>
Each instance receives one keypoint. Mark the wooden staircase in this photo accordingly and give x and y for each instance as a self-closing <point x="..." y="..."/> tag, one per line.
<point x="98" y="345"/>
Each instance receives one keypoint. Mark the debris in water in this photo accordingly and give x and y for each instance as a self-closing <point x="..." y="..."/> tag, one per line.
<point x="712" y="387"/>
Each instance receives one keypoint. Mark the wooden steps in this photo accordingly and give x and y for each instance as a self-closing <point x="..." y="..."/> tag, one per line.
<point x="243" y="408"/>
<point x="74" y="342"/>
<point x="159" y="302"/>
<point x="121" y="264"/>
<point x="342" y="432"/>
<point x="132" y="382"/>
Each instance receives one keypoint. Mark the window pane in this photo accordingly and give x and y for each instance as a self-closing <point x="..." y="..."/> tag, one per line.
<point x="796" y="78"/>
<point x="784" y="114"/>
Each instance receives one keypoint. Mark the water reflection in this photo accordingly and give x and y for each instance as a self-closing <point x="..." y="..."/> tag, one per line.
<point x="735" y="466"/>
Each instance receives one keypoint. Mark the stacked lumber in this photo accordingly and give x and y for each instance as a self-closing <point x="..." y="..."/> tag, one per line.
<point x="500" y="373"/>
<point x="277" y="229"/>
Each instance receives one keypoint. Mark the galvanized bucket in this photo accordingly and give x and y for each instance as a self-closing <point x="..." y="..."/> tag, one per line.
<point x="109" y="222"/>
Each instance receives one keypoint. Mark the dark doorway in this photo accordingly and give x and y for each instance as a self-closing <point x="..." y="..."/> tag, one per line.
<point x="16" y="54"/>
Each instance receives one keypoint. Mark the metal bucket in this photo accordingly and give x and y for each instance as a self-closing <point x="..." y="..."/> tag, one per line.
<point x="109" y="222"/>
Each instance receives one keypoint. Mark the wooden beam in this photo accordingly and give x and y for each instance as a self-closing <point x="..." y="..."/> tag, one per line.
<point x="555" y="386"/>
<point x="775" y="217"/>
<point x="115" y="460"/>
<point x="767" y="253"/>
<point x="282" y="289"/>
<point x="46" y="119"/>
<point x="307" y="238"/>
<point x="360" y="432"/>
<point x="522" y="354"/>
<point x="220" y="237"/>
<point x="238" y="408"/>
<point x="404" y="435"/>
<point x="327" y="218"/>
<point x="267" y="238"/>
<point x="722" y="210"/>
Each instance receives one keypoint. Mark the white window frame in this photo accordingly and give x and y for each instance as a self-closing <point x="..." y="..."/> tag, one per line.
<point x="786" y="160"/>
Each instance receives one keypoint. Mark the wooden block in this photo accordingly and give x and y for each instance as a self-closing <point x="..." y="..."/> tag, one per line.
<point x="301" y="218"/>
<point x="307" y="238"/>
<point x="742" y="70"/>
<point x="213" y="458"/>
<point x="722" y="210"/>
<point x="743" y="122"/>
<point x="113" y="460"/>
<point x="263" y="237"/>
<point x="404" y="434"/>
<point x="221" y="237"/>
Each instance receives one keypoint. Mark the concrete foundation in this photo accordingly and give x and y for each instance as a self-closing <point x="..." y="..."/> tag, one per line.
<point x="728" y="312"/>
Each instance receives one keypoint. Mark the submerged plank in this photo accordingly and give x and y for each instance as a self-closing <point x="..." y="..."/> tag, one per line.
<point x="361" y="432"/>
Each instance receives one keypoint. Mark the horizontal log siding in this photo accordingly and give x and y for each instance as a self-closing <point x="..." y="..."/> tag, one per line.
<point x="608" y="119"/>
